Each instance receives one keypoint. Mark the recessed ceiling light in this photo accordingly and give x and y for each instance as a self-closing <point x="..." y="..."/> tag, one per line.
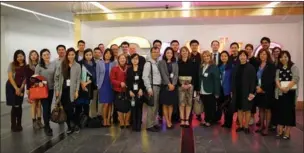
<point x="36" y="13"/>
<point x="97" y="4"/>
<point x="272" y="4"/>
<point x="186" y="5"/>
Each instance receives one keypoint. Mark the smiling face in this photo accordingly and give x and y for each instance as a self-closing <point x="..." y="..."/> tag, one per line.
<point x="71" y="57"/>
<point x="46" y="56"/>
<point x="224" y="58"/>
<point x="122" y="60"/>
<point x="88" y="56"/>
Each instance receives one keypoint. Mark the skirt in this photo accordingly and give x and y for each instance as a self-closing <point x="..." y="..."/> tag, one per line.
<point x="167" y="97"/>
<point x="262" y="101"/>
<point x="11" y="98"/>
<point x="287" y="109"/>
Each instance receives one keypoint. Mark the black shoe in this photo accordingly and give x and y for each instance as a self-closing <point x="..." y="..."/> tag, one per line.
<point x="19" y="128"/>
<point x="70" y="131"/>
<point x="122" y="127"/>
<point x="246" y="130"/>
<point x="199" y="117"/>
<point x="239" y="129"/>
<point x="157" y="127"/>
<point x="48" y="131"/>
<point x="152" y="129"/>
<point x="76" y="129"/>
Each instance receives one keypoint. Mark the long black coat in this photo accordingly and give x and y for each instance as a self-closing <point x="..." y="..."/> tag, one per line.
<point x="248" y="84"/>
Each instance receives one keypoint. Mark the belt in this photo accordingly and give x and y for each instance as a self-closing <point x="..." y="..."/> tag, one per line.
<point x="156" y="85"/>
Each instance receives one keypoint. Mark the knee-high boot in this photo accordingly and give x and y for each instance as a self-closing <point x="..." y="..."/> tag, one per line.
<point x="19" y="118"/>
<point x="13" y="119"/>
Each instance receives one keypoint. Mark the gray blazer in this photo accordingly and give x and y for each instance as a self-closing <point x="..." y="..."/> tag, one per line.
<point x="101" y="70"/>
<point x="162" y="66"/>
<point x="74" y="80"/>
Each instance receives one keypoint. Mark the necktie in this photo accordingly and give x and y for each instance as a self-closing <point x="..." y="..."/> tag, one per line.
<point x="214" y="58"/>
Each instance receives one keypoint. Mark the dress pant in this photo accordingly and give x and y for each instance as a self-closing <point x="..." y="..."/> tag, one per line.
<point x="153" y="110"/>
<point x="94" y="105"/>
<point x="209" y="102"/>
<point x="136" y="113"/>
<point x="68" y="107"/>
<point x="46" y="106"/>
<point x="227" y="110"/>
<point x="80" y="108"/>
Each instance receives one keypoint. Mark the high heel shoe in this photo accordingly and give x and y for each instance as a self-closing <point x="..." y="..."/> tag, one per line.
<point x="182" y="124"/>
<point x="187" y="125"/>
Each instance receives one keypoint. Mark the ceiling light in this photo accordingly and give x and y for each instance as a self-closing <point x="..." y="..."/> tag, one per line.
<point x="186" y="5"/>
<point x="36" y="13"/>
<point x="97" y="4"/>
<point x="272" y="4"/>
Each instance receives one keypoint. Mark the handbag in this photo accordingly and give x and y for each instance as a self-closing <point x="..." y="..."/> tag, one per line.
<point x="285" y="84"/>
<point x="58" y="115"/>
<point x="149" y="100"/>
<point x="36" y="91"/>
<point x="122" y="102"/>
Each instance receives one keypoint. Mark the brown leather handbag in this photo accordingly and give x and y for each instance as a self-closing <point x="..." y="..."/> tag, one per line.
<point x="58" y="114"/>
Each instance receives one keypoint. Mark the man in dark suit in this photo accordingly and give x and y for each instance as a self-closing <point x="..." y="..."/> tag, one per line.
<point x="132" y="50"/>
<point x="80" y="51"/>
<point x="215" y="45"/>
<point x="234" y="52"/>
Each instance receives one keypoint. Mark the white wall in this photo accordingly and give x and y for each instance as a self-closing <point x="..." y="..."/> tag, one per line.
<point x="289" y="35"/>
<point x="24" y="34"/>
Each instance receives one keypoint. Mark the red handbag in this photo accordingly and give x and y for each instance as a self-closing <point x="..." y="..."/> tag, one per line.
<point x="39" y="92"/>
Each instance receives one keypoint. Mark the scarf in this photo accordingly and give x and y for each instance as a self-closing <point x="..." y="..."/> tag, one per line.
<point x="92" y="69"/>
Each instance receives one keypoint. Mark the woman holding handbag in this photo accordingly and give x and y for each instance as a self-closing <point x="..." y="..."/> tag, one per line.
<point x="46" y="68"/>
<point x="136" y="88"/>
<point x="87" y="86"/>
<point x="118" y="78"/>
<point x="105" y="91"/>
<point x="168" y="96"/>
<point x="287" y="79"/>
<point x="35" y="104"/>
<point x="67" y="81"/>
<point x="15" y="89"/>
<point x="188" y="82"/>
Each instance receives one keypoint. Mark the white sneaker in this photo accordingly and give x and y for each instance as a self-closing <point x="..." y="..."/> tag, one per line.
<point x="251" y="122"/>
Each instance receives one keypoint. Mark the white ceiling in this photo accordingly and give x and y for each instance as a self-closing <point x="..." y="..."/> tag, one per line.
<point x="65" y="10"/>
<point x="199" y="21"/>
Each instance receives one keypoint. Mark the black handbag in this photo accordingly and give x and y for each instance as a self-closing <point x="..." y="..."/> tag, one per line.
<point x="122" y="102"/>
<point x="149" y="100"/>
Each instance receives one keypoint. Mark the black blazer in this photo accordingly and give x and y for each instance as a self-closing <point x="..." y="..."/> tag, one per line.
<point x="131" y="80"/>
<point x="268" y="79"/>
<point x="248" y="83"/>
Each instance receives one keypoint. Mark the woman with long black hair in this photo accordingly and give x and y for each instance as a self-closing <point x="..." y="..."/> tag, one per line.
<point x="67" y="81"/>
<point x="168" y="69"/>
<point x="87" y="84"/>
<point x="46" y="68"/>
<point x="15" y="89"/>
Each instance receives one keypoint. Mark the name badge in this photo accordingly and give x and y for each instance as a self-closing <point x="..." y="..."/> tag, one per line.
<point x="260" y="82"/>
<point x="136" y="77"/>
<point x="194" y="94"/>
<point x="44" y="82"/>
<point x="88" y="78"/>
<point x="135" y="86"/>
<point x="68" y="82"/>
<point x="171" y="75"/>
<point x="205" y="74"/>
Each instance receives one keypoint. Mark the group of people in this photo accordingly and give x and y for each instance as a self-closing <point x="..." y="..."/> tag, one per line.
<point x="102" y="82"/>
